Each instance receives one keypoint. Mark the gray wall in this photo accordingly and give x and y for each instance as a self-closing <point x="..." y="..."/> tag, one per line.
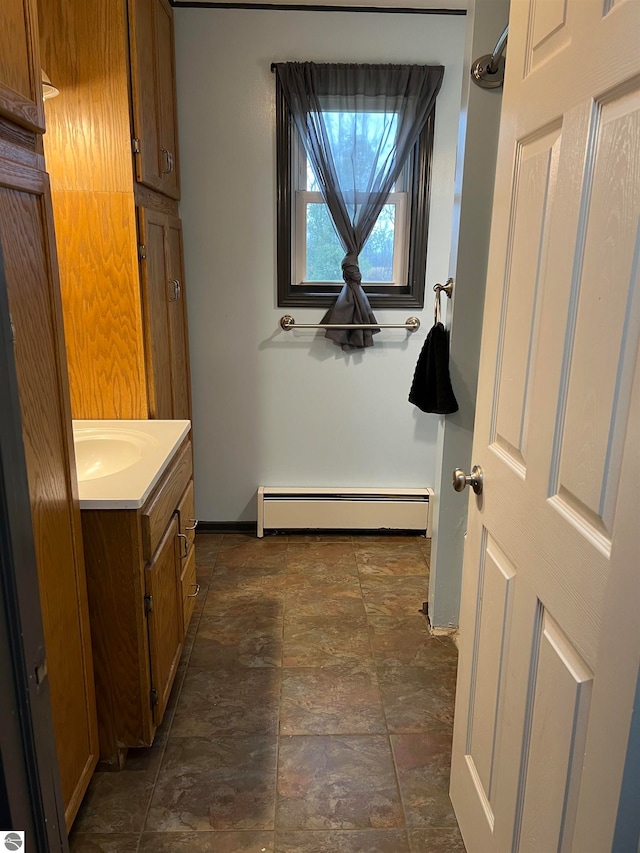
<point x="269" y="407"/>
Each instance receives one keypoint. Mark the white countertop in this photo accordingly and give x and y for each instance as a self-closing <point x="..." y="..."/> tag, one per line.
<point x="119" y="462"/>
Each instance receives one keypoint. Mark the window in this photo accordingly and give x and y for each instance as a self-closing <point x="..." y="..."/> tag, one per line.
<point x="393" y="260"/>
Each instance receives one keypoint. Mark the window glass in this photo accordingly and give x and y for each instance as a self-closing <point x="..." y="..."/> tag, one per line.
<point x="324" y="252"/>
<point x="310" y="254"/>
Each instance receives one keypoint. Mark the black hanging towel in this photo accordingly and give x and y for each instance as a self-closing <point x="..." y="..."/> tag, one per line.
<point x="431" y="389"/>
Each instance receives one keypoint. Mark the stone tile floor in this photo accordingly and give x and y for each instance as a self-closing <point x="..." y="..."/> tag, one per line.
<point x="312" y="712"/>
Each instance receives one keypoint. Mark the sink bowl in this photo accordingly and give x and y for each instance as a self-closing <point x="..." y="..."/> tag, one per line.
<point x="118" y="462"/>
<point x="101" y="453"/>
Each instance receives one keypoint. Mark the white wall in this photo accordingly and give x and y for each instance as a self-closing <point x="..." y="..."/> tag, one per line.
<point x="273" y="407"/>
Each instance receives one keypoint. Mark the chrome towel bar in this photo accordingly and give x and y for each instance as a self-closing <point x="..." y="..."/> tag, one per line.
<point x="287" y="323"/>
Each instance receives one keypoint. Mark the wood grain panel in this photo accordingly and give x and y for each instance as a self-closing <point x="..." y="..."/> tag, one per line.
<point x="165" y="617"/>
<point x="120" y="647"/>
<point x="180" y="374"/>
<point x="144" y="92"/>
<point x="187" y="516"/>
<point x="146" y="197"/>
<point x="162" y="504"/>
<point x="166" y="95"/>
<point x="100" y="292"/>
<point x="189" y="588"/>
<point x="88" y="140"/>
<point x="155" y="301"/>
<point x="20" y="145"/>
<point x="34" y="303"/>
<point x="20" y="87"/>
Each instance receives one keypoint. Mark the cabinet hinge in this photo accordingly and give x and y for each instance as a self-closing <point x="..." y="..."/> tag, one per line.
<point x="135" y="145"/>
<point x="153" y="694"/>
<point x="148" y="604"/>
<point x="142" y="252"/>
<point x="40" y="667"/>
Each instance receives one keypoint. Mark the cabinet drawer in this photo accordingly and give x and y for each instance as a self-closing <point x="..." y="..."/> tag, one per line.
<point x="190" y="589"/>
<point x="157" y="512"/>
<point x="187" y="517"/>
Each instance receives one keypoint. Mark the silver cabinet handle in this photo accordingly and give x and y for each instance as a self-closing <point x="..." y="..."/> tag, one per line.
<point x="193" y="594"/>
<point x="475" y="479"/>
<point x="168" y="161"/>
<point x="174" y="289"/>
<point x="194" y="525"/>
<point x="186" y="545"/>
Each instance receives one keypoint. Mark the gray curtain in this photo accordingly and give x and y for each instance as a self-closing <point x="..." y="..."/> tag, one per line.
<point x="396" y="100"/>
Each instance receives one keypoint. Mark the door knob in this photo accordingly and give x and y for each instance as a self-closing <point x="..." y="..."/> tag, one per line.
<point x="461" y="480"/>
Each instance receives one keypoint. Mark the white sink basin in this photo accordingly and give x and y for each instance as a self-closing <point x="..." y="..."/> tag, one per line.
<point x="105" y="452"/>
<point x="119" y="462"/>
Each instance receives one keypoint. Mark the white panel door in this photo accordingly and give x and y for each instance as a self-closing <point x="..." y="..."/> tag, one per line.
<point x="551" y="593"/>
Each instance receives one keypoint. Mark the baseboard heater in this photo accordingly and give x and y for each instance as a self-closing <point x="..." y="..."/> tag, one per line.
<point x="281" y="508"/>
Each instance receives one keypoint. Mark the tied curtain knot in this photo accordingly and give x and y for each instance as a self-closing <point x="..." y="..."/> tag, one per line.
<point x="350" y="269"/>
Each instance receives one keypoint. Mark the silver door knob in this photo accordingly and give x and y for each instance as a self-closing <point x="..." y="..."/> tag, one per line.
<point x="461" y="480"/>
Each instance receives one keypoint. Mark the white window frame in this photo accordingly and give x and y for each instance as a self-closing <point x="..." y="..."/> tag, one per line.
<point x="303" y="196"/>
<point x="299" y="239"/>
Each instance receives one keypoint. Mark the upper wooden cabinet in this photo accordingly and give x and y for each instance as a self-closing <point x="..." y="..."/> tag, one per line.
<point x="20" y="74"/>
<point x="154" y="103"/>
<point x="165" y="314"/>
<point x="126" y="339"/>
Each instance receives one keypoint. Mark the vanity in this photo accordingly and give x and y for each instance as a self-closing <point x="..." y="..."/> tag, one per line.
<point x="135" y="481"/>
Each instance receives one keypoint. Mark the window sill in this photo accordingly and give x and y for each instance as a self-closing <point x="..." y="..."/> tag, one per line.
<point x="326" y="300"/>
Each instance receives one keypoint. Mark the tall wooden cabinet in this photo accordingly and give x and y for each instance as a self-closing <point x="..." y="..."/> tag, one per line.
<point x="111" y="150"/>
<point x="30" y="274"/>
<point x="155" y="130"/>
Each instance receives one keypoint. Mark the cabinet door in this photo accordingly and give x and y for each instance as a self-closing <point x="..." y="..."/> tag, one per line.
<point x="162" y="583"/>
<point x="153" y="86"/>
<point x="166" y="98"/>
<point x="157" y="293"/>
<point x="190" y="588"/>
<point x="30" y="269"/>
<point x="180" y="378"/>
<point x="20" y="85"/>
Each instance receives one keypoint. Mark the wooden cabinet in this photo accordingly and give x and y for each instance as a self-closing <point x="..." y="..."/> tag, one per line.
<point x="139" y="569"/>
<point x="28" y="270"/>
<point x="120" y="244"/>
<point x="163" y="594"/>
<point x="187" y="524"/>
<point x="164" y="314"/>
<point x="153" y="89"/>
<point x="20" y="86"/>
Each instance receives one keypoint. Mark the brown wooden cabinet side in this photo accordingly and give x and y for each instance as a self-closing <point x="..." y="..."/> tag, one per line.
<point x="88" y="154"/>
<point x="115" y="579"/>
<point x="28" y="245"/>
